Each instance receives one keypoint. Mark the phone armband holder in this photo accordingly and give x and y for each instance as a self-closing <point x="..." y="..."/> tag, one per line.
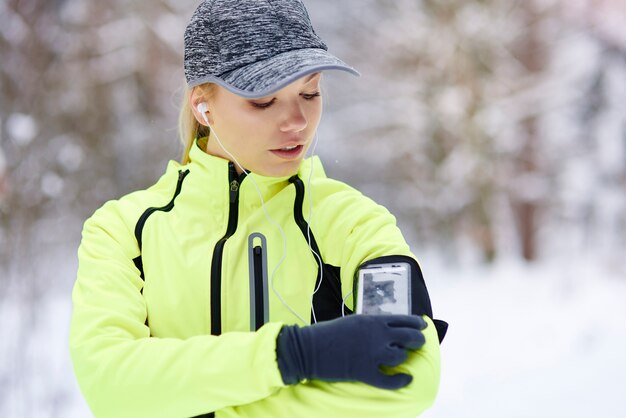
<point x="393" y="285"/>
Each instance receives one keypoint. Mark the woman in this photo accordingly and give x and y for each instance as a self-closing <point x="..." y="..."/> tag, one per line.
<point x="226" y="288"/>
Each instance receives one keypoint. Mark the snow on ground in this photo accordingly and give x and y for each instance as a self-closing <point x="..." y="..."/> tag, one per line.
<point x="545" y="340"/>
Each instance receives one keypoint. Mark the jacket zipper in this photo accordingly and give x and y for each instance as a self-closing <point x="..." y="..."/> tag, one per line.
<point x="234" y="182"/>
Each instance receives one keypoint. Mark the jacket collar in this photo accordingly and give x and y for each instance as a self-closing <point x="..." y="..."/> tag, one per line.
<point x="210" y="172"/>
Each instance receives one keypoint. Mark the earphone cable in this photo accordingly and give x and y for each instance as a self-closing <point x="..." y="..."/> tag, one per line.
<point x="268" y="217"/>
<point x="308" y="229"/>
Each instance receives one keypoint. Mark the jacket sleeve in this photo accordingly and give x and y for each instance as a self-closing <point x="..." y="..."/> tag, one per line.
<point x="123" y="371"/>
<point x="346" y="399"/>
<point x="371" y="232"/>
<point x="359" y="231"/>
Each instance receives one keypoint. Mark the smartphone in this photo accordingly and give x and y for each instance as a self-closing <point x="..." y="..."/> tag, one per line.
<point x="384" y="289"/>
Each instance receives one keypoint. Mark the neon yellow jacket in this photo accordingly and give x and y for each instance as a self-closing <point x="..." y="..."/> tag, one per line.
<point x="184" y="341"/>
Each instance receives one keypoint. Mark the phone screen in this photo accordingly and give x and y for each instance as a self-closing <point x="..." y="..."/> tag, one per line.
<point x="384" y="289"/>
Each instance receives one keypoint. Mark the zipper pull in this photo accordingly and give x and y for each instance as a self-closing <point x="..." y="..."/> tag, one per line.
<point x="234" y="188"/>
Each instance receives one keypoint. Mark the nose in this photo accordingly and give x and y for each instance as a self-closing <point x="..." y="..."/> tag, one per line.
<point x="294" y="119"/>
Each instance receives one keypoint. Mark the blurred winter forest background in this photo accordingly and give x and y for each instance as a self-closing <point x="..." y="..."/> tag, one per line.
<point x="495" y="130"/>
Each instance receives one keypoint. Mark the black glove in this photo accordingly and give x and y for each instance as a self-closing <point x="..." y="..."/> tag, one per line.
<point x="350" y="349"/>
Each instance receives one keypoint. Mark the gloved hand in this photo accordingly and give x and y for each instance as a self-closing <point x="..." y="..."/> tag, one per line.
<point x="350" y="349"/>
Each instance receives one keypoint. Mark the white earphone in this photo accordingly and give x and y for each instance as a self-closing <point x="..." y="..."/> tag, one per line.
<point x="203" y="108"/>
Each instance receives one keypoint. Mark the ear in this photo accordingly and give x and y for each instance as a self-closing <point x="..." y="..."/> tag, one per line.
<point x="195" y="98"/>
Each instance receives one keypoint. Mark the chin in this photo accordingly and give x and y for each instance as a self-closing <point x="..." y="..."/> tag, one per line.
<point x="282" y="170"/>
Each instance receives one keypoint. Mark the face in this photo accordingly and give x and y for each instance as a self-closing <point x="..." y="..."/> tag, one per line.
<point x="270" y="135"/>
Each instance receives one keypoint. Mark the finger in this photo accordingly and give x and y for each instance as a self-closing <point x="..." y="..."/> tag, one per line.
<point x="424" y="323"/>
<point x="395" y="381"/>
<point x="409" y="338"/>
<point x="406" y="321"/>
<point x="393" y="356"/>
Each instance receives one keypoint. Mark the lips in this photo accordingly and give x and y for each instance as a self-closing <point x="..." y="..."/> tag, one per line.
<point x="288" y="152"/>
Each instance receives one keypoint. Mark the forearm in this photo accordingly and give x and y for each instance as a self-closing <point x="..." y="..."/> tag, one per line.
<point x="155" y="377"/>
<point x="341" y="399"/>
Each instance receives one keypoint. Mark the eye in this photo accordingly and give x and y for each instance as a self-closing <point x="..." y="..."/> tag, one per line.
<point x="263" y="105"/>
<point x="310" y="96"/>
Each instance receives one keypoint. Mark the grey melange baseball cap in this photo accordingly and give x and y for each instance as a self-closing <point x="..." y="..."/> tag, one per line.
<point x="254" y="47"/>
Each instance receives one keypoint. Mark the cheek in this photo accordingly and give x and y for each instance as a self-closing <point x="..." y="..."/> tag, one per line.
<point x="253" y="121"/>
<point x="316" y="114"/>
<point x="243" y="127"/>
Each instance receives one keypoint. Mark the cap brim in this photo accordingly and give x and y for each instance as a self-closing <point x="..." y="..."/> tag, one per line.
<point x="265" y="77"/>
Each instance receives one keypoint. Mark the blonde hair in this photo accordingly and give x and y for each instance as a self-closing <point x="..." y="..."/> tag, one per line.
<point x="189" y="129"/>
